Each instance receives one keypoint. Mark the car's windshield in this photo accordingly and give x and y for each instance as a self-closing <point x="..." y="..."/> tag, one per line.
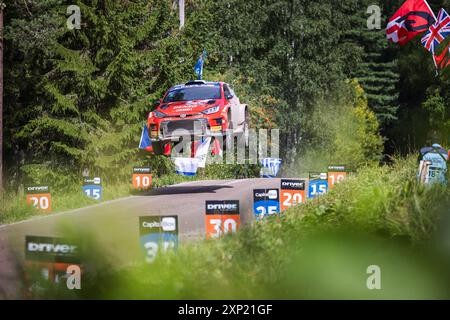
<point x="193" y="93"/>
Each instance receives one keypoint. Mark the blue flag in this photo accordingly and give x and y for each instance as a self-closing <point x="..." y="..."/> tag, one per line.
<point x="199" y="65"/>
<point x="145" y="143"/>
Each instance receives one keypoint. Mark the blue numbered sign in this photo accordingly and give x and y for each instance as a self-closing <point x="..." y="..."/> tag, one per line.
<point x="318" y="184"/>
<point x="266" y="202"/>
<point x="92" y="188"/>
<point x="158" y="234"/>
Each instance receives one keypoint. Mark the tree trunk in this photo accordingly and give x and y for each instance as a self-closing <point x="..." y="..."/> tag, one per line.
<point x="1" y="96"/>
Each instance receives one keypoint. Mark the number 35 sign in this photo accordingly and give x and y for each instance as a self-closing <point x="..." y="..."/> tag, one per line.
<point x="222" y="217"/>
<point x="158" y="234"/>
<point x="39" y="197"/>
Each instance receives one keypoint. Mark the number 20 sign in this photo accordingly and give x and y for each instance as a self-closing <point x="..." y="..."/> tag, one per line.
<point x="142" y="178"/>
<point x="222" y="217"/>
<point x="39" y="197"/>
<point x="292" y="193"/>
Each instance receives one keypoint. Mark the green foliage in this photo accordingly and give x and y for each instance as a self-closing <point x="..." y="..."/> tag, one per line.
<point x="342" y="130"/>
<point x="439" y="110"/>
<point x="318" y="250"/>
<point x="377" y="71"/>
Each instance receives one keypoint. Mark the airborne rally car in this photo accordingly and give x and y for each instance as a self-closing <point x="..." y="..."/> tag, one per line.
<point x="197" y="109"/>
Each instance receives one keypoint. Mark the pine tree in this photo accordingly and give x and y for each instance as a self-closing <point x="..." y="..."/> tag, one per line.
<point x="378" y="71"/>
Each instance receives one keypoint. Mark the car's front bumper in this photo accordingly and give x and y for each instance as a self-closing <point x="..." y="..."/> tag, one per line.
<point x="174" y="128"/>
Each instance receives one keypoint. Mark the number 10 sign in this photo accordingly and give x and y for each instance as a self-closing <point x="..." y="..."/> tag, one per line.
<point x="142" y="178"/>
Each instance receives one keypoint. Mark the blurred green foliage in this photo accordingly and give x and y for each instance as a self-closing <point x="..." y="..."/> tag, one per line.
<point x="319" y="250"/>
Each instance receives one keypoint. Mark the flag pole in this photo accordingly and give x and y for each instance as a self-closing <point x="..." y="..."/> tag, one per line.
<point x="428" y="5"/>
<point x="435" y="65"/>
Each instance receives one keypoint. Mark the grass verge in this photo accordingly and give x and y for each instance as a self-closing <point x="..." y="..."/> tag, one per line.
<point x="320" y="250"/>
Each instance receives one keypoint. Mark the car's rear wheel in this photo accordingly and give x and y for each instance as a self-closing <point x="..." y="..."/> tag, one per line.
<point x="158" y="147"/>
<point x="228" y="134"/>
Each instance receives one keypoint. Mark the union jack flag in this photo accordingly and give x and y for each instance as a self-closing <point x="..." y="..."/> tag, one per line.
<point x="437" y="32"/>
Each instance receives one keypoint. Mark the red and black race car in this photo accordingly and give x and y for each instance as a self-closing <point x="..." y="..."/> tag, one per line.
<point x="197" y="109"/>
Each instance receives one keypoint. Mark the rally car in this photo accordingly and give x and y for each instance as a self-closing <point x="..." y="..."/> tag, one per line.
<point x="196" y="109"/>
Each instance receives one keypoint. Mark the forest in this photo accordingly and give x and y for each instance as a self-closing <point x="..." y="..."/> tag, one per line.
<point x="337" y="90"/>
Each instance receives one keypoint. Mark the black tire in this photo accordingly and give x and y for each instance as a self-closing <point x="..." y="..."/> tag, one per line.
<point x="243" y="138"/>
<point x="228" y="134"/>
<point x="158" y="148"/>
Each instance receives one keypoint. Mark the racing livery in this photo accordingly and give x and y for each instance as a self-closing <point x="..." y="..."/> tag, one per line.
<point x="199" y="109"/>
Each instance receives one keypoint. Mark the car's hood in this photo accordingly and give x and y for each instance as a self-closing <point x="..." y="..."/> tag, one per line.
<point x="186" y="107"/>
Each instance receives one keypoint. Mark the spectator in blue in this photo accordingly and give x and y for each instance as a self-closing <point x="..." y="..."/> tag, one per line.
<point x="438" y="157"/>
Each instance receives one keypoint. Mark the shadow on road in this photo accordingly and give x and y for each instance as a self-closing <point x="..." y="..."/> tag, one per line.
<point x="183" y="190"/>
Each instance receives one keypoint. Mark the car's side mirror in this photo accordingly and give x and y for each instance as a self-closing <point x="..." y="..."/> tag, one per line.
<point x="229" y="96"/>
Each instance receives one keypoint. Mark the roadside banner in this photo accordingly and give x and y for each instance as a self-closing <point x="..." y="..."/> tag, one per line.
<point x="222" y="217"/>
<point x="266" y="202"/>
<point x="142" y="178"/>
<point x="39" y="197"/>
<point x="292" y="193"/>
<point x="50" y="260"/>
<point x="201" y="151"/>
<point x="92" y="188"/>
<point x="317" y="184"/>
<point x="158" y="234"/>
<point x="186" y="166"/>
<point x="270" y="167"/>
<point x="336" y="174"/>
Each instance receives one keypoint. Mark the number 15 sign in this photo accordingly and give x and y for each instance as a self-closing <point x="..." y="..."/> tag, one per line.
<point x="222" y="217"/>
<point x="92" y="188"/>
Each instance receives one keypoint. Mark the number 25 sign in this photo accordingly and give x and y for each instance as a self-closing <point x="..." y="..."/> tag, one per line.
<point x="39" y="197"/>
<point x="222" y="217"/>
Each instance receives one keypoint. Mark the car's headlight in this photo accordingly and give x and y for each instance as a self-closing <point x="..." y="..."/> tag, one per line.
<point x="159" y="114"/>
<point x="211" y="110"/>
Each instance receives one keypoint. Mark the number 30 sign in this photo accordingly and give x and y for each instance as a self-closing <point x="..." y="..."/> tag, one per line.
<point x="39" y="197"/>
<point x="222" y="217"/>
